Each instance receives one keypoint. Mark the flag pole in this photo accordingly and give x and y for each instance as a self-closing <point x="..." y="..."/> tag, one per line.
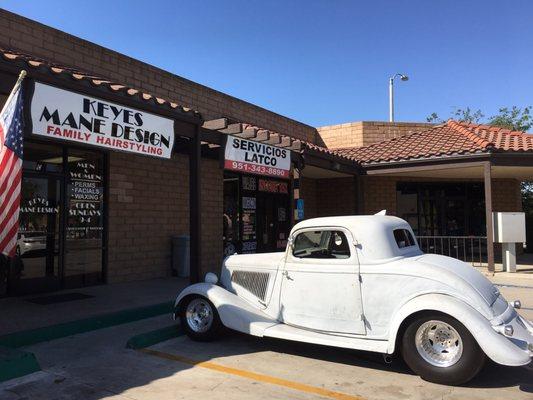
<point x="21" y="77"/>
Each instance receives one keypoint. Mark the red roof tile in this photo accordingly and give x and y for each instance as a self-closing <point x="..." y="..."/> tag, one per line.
<point x="451" y="138"/>
<point x="76" y="74"/>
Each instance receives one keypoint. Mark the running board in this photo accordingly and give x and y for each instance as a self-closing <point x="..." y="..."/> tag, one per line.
<point x="282" y="331"/>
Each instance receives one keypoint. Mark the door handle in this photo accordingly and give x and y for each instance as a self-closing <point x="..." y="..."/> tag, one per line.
<point x="286" y="275"/>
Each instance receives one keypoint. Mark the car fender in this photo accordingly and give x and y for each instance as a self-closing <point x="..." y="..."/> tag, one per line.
<point x="234" y="312"/>
<point x="497" y="347"/>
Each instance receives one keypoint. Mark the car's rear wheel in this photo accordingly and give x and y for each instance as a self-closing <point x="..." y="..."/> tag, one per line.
<point x="440" y="349"/>
<point x="199" y="318"/>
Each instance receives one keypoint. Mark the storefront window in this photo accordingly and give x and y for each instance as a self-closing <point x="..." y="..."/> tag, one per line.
<point x="256" y="214"/>
<point x="440" y="209"/>
<point x="85" y="219"/>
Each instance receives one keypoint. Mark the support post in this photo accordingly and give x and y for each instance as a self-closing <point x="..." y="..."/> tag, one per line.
<point x="359" y="207"/>
<point x="195" y="206"/>
<point x="488" y="215"/>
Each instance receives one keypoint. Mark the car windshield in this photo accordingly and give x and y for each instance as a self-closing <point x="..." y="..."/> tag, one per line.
<point x="321" y="244"/>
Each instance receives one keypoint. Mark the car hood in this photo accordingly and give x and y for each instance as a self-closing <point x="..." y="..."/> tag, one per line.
<point x="255" y="261"/>
<point x="464" y="271"/>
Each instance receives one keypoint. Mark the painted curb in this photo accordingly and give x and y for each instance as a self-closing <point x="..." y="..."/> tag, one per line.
<point x="15" y="363"/>
<point x="33" y="336"/>
<point x="148" y="339"/>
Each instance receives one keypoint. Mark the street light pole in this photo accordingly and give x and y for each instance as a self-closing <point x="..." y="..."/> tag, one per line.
<point x="391" y="94"/>
<point x="391" y="100"/>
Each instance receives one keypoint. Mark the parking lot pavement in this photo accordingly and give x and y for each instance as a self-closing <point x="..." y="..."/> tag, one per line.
<point x="96" y="365"/>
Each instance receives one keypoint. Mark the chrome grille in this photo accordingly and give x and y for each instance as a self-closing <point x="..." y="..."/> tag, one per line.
<point x="255" y="282"/>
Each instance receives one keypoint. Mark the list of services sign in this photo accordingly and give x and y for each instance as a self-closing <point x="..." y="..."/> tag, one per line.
<point x="72" y="116"/>
<point x="256" y="158"/>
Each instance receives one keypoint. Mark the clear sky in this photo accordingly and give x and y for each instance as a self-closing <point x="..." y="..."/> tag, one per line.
<point x="322" y="62"/>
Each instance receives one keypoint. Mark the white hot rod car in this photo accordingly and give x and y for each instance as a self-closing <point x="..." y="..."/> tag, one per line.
<point x="362" y="282"/>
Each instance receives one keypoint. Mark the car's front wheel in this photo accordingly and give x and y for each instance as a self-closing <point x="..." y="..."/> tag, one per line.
<point x="199" y="318"/>
<point x="440" y="349"/>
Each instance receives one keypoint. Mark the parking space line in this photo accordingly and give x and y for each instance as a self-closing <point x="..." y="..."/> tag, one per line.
<point x="254" y="376"/>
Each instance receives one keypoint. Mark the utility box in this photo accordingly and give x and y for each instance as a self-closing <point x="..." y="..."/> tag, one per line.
<point x="509" y="229"/>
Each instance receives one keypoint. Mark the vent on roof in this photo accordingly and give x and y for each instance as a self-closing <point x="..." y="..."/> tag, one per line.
<point x="254" y="282"/>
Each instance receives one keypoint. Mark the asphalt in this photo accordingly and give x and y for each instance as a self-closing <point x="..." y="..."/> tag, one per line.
<point x="97" y="365"/>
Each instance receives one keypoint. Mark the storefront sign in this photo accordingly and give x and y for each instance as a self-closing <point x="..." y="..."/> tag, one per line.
<point x="66" y="115"/>
<point x="256" y="158"/>
<point x="273" y="186"/>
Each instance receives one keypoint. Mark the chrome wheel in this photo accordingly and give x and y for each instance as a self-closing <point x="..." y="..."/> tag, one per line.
<point x="199" y="315"/>
<point x="438" y="343"/>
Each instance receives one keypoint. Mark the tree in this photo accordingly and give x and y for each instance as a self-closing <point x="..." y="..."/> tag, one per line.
<point x="515" y="119"/>
<point x="459" y="114"/>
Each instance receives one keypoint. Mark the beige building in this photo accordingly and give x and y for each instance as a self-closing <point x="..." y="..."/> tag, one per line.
<point x="436" y="177"/>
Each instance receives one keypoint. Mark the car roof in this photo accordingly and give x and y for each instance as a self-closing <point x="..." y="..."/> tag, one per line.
<point x="352" y="222"/>
<point x="374" y="234"/>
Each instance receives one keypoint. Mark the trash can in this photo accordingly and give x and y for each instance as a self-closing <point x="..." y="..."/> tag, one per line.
<point x="180" y="256"/>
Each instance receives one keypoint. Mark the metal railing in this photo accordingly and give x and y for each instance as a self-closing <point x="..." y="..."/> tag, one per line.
<point x="471" y="249"/>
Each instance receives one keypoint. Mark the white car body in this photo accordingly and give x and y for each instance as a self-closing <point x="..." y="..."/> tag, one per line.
<point x="360" y="302"/>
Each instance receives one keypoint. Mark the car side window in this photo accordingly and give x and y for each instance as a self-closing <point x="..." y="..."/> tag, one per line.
<point x="321" y="244"/>
<point x="403" y="238"/>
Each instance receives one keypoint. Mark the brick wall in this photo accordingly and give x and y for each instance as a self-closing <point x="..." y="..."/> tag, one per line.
<point x="328" y="197"/>
<point x="149" y="202"/>
<point x="335" y="197"/>
<point x="308" y="192"/>
<point x="363" y="133"/>
<point x="51" y="44"/>
<point x="506" y="195"/>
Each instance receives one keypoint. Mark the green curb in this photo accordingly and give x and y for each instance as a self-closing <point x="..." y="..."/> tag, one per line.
<point x="33" y="336"/>
<point x="15" y="363"/>
<point x="148" y="339"/>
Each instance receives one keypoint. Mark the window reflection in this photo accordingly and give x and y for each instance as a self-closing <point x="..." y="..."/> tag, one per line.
<point x="42" y="158"/>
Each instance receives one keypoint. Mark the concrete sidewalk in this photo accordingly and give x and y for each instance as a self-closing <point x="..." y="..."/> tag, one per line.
<point x="18" y="314"/>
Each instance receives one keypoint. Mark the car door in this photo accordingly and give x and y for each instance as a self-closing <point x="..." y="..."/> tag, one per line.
<point x="320" y="287"/>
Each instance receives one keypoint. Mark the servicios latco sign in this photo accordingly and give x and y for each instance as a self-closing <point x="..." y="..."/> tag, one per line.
<point x="256" y="158"/>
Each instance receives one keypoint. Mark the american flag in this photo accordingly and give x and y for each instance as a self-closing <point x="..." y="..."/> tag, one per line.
<point x="11" y="145"/>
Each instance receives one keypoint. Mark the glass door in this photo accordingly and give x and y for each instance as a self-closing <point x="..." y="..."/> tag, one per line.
<point x="36" y="267"/>
<point x="61" y="238"/>
<point x="84" y="219"/>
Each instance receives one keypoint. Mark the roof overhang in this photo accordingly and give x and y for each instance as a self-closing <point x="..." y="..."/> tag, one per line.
<point x="505" y="165"/>
<point x="306" y="156"/>
<point x="11" y="63"/>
